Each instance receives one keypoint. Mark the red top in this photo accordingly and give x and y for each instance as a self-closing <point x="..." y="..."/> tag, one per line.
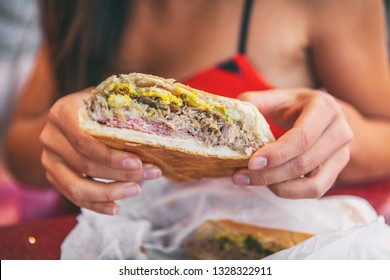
<point x="230" y="79"/>
<point x="237" y="76"/>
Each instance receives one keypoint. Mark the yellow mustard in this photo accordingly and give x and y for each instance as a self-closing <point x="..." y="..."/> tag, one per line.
<point x="118" y="100"/>
<point x="192" y="100"/>
<point x="122" y="93"/>
<point x="166" y="98"/>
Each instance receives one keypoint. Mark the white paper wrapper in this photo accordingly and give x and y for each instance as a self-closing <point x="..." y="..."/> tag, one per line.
<point x="154" y="224"/>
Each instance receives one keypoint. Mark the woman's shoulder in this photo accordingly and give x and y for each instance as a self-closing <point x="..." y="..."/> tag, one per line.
<point x="331" y="12"/>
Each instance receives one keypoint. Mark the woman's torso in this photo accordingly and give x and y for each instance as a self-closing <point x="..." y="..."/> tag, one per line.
<point x="191" y="40"/>
<point x="178" y="39"/>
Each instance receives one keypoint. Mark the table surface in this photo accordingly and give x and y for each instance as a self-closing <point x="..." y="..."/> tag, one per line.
<point x="35" y="240"/>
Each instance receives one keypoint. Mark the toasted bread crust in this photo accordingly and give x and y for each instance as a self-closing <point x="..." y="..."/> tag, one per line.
<point x="283" y="237"/>
<point x="227" y="240"/>
<point x="178" y="165"/>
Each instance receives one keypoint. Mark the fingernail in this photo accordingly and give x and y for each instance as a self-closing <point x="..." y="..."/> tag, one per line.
<point x="257" y="163"/>
<point x="131" y="164"/>
<point x="131" y="190"/>
<point x="241" y="179"/>
<point x="151" y="172"/>
<point x="110" y="210"/>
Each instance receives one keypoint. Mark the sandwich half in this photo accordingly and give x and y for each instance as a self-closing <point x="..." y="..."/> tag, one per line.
<point x="228" y="240"/>
<point x="188" y="133"/>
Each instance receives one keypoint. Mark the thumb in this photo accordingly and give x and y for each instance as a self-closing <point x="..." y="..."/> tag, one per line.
<point x="268" y="101"/>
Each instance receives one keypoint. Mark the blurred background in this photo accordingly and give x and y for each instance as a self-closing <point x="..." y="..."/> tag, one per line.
<point x="20" y="39"/>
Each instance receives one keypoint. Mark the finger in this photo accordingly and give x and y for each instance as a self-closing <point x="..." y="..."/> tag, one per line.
<point x="78" y="189"/>
<point x="109" y="208"/>
<point x="269" y="101"/>
<point x="317" y="183"/>
<point x="124" y="166"/>
<point x="306" y="162"/>
<point x="316" y="116"/>
<point x="81" y="141"/>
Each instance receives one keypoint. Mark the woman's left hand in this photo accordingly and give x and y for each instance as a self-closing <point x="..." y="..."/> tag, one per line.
<point x="306" y="160"/>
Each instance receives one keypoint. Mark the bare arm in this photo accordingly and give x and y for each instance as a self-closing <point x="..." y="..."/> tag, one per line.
<point x="349" y="133"/>
<point x="350" y="57"/>
<point x="22" y="147"/>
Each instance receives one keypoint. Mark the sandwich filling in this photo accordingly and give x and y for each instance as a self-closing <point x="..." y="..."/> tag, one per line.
<point x="222" y="240"/>
<point x="168" y="109"/>
<point x="244" y="245"/>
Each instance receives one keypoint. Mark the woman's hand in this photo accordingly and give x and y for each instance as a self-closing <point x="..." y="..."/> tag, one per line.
<point x="306" y="160"/>
<point x="71" y="158"/>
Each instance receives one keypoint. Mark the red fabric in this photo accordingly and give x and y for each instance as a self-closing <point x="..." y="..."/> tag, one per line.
<point x="227" y="83"/>
<point x="219" y="80"/>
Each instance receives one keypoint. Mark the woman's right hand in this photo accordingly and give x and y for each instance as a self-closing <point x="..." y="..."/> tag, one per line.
<point x="72" y="157"/>
<point x="306" y="160"/>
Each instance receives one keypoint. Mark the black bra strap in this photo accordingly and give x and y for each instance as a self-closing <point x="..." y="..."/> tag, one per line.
<point x="244" y="26"/>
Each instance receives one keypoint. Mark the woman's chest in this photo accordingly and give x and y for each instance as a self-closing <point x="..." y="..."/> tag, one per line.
<point x="184" y="45"/>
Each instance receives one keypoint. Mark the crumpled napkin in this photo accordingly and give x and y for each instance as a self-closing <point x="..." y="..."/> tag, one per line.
<point x="154" y="224"/>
